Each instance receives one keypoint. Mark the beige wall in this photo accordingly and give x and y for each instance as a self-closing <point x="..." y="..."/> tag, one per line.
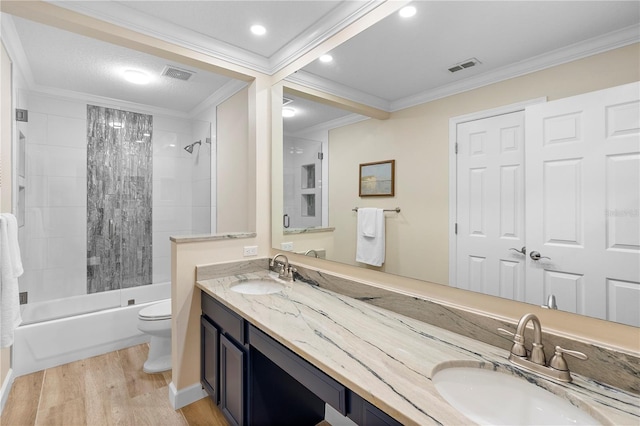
<point x="185" y="256"/>
<point x="6" y="97"/>
<point x="232" y="163"/>
<point x="418" y="139"/>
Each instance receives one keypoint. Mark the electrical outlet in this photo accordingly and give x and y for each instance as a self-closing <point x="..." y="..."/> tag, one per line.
<point x="250" y="250"/>
<point x="286" y="246"/>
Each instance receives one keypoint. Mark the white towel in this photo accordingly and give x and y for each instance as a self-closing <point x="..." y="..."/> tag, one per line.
<point x="10" y="270"/>
<point x="367" y="221"/>
<point x="370" y="250"/>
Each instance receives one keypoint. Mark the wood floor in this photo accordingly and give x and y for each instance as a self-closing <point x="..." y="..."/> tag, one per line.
<point x="109" y="389"/>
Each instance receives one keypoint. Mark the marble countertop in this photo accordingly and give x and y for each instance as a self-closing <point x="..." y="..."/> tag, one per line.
<point x="387" y="358"/>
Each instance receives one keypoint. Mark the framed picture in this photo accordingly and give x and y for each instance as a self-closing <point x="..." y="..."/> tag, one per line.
<point x="377" y="179"/>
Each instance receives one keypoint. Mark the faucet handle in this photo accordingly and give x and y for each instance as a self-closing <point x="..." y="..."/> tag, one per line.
<point x="559" y="363"/>
<point x="291" y="273"/>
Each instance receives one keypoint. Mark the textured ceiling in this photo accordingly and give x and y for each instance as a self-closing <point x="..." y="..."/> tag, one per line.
<point x="388" y="62"/>
<point x="229" y="21"/>
<point x="63" y="60"/>
<point x="397" y="57"/>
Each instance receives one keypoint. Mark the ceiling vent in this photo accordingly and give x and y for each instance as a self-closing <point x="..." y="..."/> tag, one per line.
<point x="286" y="101"/>
<point x="472" y="62"/>
<point x="177" y="73"/>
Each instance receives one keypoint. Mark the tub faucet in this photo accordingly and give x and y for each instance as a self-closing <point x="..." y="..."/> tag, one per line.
<point x="286" y="271"/>
<point x="535" y="360"/>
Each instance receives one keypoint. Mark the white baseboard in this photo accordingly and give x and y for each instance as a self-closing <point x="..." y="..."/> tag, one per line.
<point x="6" y="389"/>
<point x="183" y="397"/>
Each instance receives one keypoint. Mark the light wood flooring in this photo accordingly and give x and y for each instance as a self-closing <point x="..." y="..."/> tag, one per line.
<point x="109" y="389"/>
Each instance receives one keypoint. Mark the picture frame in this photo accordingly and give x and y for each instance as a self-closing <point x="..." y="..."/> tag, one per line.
<point x="377" y="179"/>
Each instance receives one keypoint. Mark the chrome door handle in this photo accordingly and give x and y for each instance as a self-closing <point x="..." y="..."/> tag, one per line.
<point x="537" y="256"/>
<point x="523" y="250"/>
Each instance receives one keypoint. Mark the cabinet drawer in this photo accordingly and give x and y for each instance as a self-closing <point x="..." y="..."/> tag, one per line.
<point x="228" y="321"/>
<point x="323" y="386"/>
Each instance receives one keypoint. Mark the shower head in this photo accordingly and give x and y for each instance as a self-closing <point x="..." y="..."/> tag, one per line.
<point x="189" y="148"/>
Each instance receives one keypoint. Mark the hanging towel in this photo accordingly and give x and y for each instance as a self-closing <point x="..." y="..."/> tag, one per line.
<point x="10" y="270"/>
<point x="367" y="220"/>
<point x="370" y="249"/>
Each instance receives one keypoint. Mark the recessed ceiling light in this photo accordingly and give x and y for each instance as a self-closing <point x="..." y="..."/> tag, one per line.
<point x="258" y="30"/>
<point x="136" y="77"/>
<point x="326" y="58"/>
<point x="407" y="11"/>
<point x="288" y="112"/>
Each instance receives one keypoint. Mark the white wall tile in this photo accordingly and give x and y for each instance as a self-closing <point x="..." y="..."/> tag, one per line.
<point x="66" y="252"/>
<point x="67" y="191"/>
<point x="56" y="106"/>
<point x="65" y="131"/>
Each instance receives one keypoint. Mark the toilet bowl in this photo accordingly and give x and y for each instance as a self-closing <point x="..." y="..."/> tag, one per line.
<point x="155" y="320"/>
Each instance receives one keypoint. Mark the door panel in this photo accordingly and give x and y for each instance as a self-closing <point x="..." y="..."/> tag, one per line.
<point x="583" y="202"/>
<point x="491" y="205"/>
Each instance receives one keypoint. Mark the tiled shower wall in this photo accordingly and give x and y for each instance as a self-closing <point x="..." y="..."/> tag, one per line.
<point x="119" y="190"/>
<point x="54" y="247"/>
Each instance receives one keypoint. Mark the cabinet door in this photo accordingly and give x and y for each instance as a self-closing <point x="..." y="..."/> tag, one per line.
<point x="232" y="381"/>
<point x="364" y="413"/>
<point x="209" y="337"/>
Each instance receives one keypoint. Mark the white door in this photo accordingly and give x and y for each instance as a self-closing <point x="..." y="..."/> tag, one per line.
<point x="583" y="203"/>
<point x="490" y="206"/>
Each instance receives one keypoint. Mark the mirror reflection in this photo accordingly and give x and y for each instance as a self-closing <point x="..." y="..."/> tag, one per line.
<point x="538" y="249"/>
<point x="110" y="168"/>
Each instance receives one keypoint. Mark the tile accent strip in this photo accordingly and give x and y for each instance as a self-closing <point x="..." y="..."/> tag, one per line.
<point x="119" y="199"/>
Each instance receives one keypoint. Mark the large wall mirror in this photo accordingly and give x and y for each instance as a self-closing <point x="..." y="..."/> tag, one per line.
<point x="162" y="180"/>
<point x="433" y="74"/>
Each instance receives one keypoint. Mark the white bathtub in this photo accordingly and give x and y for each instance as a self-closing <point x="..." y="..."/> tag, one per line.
<point x="57" y="332"/>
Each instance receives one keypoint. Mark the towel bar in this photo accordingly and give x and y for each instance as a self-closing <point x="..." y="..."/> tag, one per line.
<point x="397" y="210"/>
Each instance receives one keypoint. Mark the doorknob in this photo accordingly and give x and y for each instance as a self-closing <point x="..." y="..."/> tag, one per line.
<point x="523" y="250"/>
<point x="537" y="256"/>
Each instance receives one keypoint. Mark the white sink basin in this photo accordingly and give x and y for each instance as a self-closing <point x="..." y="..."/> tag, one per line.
<point x="257" y="286"/>
<point x="491" y="397"/>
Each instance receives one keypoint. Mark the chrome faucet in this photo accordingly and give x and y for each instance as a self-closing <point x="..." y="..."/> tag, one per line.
<point x="286" y="271"/>
<point x="535" y="359"/>
<point x="308" y="252"/>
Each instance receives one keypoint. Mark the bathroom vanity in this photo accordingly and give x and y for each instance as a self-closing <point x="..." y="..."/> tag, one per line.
<point x="278" y="358"/>
<point x="256" y="380"/>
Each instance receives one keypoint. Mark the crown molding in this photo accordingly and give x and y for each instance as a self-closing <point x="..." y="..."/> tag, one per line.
<point x="123" y="16"/>
<point x="106" y="102"/>
<point x="593" y="46"/>
<point x="329" y="125"/>
<point x="335" y="21"/>
<point x="583" y="49"/>
<point x="216" y="98"/>
<point x="328" y="86"/>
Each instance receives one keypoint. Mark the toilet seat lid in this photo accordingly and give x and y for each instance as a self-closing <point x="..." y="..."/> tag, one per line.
<point x="157" y="311"/>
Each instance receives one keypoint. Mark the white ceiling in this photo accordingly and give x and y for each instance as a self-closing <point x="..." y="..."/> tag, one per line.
<point x="388" y="66"/>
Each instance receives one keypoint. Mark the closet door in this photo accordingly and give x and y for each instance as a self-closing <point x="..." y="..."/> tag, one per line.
<point x="583" y="203"/>
<point x="490" y="206"/>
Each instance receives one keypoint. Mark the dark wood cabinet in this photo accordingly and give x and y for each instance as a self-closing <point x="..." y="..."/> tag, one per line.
<point x="233" y="367"/>
<point x="209" y="344"/>
<point x="259" y="382"/>
<point x="364" y="413"/>
<point x="224" y="359"/>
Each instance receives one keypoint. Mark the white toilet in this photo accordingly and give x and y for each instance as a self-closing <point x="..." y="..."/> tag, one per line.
<point x="155" y="320"/>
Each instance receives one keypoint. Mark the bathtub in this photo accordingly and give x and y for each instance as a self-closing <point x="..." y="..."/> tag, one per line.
<point x="62" y="331"/>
